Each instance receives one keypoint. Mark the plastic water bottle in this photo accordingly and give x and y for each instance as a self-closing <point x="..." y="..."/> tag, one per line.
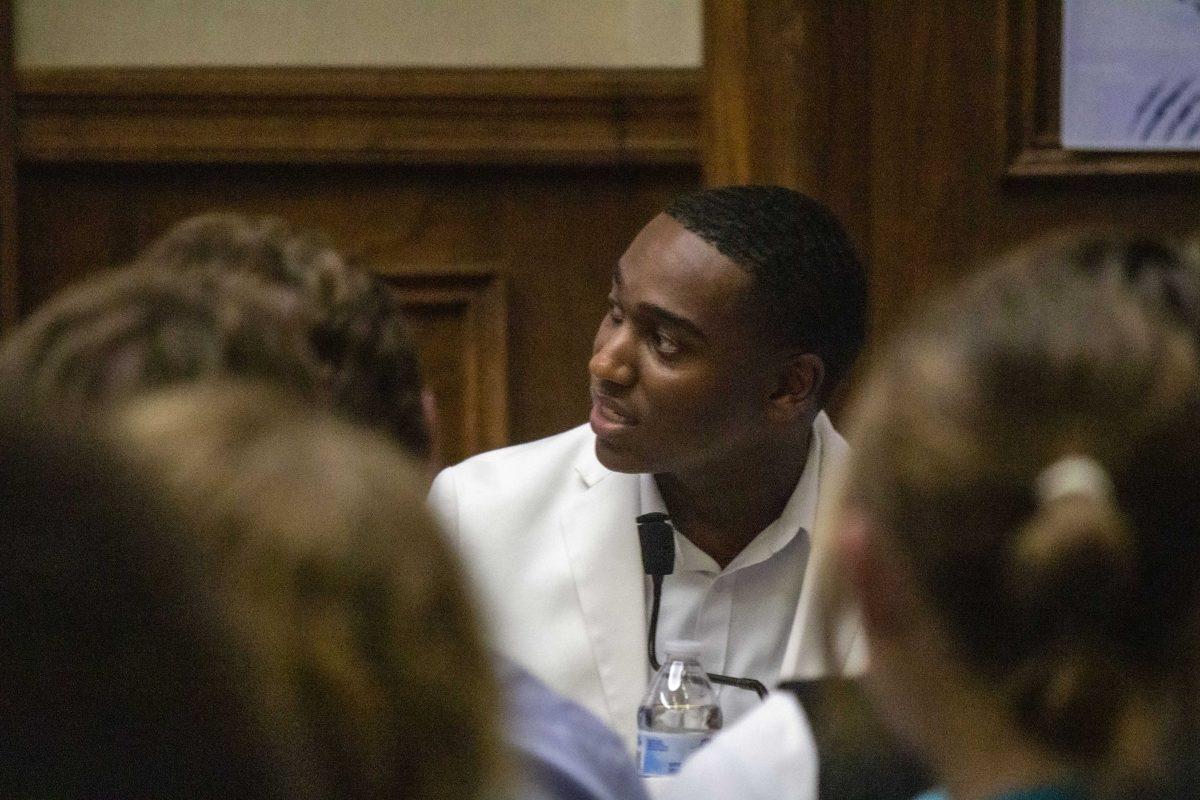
<point x="679" y="713"/>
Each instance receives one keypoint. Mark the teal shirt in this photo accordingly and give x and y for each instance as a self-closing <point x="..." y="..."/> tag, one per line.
<point x="1039" y="793"/>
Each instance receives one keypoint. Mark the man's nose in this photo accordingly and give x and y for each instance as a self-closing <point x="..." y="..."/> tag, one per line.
<point x="612" y="357"/>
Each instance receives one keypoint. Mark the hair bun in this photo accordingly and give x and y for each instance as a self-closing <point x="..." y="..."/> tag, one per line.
<point x="1071" y="476"/>
<point x="1077" y="526"/>
<point x="1074" y="560"/>
<point x="1073" y="572"/>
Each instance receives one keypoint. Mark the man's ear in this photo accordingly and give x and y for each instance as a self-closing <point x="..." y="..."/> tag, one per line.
<point x="797" y="388"/>
<point x="877" y="576"/>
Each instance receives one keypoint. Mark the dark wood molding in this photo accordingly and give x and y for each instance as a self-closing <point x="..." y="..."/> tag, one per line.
<point x="476" y="301"/>
<point x="787" y="100"/>
<point x="728" y="94"/>
<point x="359" y="115"/>
<point x="8" y="172"/>
<point x="1031" y="86"/>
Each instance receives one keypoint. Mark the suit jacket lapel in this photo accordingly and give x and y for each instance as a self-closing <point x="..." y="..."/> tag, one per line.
<point x="601" y="541"/>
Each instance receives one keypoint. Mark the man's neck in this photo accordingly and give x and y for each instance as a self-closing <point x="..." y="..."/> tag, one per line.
<point x="722" y="510"/>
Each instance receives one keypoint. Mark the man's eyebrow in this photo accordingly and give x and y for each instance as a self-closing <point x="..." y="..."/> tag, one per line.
<point x="616" y="275"/>
<point x="671" y="319"/>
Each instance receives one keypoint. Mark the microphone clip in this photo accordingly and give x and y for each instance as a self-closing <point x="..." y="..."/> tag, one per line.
<point x="657" y="538"/>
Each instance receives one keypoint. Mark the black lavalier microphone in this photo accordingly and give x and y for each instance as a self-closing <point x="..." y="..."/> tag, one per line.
<point x="658" y="544"/>
<point x="658" y="559"/>
<point x="657" y="538"/>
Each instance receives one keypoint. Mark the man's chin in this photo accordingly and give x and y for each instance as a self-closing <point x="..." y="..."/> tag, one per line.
<point x="619" y="459"/>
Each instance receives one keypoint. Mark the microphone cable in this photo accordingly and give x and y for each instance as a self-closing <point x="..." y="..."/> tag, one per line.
<point x="657" y="539"/>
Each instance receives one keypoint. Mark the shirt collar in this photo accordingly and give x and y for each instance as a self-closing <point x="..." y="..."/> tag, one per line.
<point x="799" y="515"/>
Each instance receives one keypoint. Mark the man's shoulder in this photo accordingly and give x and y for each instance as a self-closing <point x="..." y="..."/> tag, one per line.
<point x="559" y="451"/>
<point x="539" y="472"/>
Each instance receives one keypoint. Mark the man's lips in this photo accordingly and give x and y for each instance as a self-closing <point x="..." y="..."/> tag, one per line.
<point x="608" y="416"/>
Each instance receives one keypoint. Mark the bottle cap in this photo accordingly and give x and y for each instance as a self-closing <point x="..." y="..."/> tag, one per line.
<point x="683" y="648"/>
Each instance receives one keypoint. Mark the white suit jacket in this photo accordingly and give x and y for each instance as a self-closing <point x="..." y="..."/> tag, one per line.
<point x="549" y="537"/>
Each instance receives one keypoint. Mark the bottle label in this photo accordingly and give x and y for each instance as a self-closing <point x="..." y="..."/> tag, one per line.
<point x="661" y="753"/>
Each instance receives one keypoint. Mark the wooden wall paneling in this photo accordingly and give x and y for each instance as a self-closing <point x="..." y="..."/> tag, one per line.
<point x="1032" y="46"/>
<point x="543" y="175"/>
<point x="8" y="171"/>
<point x="934" y="117"/>
<point x="1032" y="114"/>
<point x="552" y="234"/>
<point x="833" y="65"/>
<point x="916" y="148"/>
<point x="459" y="322"/>
<point x="786" y="88"/>
<point x="728" y="103"/>
<point x="943" y="199"/>
<point x="359" y="115"/>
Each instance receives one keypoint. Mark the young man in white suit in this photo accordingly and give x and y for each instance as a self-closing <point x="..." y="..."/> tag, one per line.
<point x="732" y="316"/>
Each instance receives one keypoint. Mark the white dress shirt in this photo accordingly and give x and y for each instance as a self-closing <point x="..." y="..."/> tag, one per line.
<point x="741" y="615"/>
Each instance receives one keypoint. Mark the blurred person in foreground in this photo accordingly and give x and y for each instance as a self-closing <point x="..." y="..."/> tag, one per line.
<point x="188" y="319"/>
<point x="358" y="333"/>
<point x="120" y="676"/>
<point x="1022" y="532"/>
<point x="364" y="637"/>
<point x="356" y="325"/>
<point x="121" y="337"/>
<point x="219" y="296"/>
<point x="837" y="746"/>
<point x="124" y="332"/>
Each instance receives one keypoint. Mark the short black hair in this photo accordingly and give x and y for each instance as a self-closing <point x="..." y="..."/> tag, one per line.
<point x="801" y="259"/>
